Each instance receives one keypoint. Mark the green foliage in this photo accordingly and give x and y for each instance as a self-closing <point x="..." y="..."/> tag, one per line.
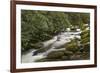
<point x="85" y="18"/>
<point x="78" y="19"/>
<point x="39" y="26"/>
<point x="85" y="35"/>
<point x="75" y="17"/>
<point x="85" y="40"/>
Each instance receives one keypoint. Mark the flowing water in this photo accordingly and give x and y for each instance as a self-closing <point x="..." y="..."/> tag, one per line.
<point x="64" y="38"/>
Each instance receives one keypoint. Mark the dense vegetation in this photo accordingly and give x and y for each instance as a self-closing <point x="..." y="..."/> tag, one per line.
<point x="39" y="26"/>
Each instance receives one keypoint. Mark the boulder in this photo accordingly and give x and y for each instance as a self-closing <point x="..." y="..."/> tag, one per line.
<point x="65" y="58"/>
<point x="55" y="55"/>
<point x="75" y="57"/>
<point x="68" y="53"/>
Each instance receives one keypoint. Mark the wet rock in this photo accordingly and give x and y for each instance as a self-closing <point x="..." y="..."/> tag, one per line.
<point x="34" y="53"/>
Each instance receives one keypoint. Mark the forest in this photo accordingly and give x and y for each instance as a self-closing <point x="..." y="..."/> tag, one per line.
<point x="40" y="26"/>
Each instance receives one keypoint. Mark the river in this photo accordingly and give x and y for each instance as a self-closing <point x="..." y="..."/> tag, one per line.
<point x="56" y="42"/>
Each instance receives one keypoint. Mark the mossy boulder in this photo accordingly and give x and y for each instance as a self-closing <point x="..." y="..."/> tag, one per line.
<point x="41" y="60"/>
<point x="67" y="53"/>
<point x="55" y="55"/>
<point x="65" y="57"/>
<point x="75" y="57"/>
<point x="72" y="46"/>
<point x="37" y="45"/>
<point x="78" y="53"/>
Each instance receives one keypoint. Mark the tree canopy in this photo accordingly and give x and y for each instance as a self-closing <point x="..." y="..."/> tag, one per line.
<point x="38" y="26"/>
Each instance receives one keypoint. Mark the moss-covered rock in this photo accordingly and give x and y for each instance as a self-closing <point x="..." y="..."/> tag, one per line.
<point x="72" y="46"/>
<point x="41" y="60"/>
<point x="67" y="53"/>
<point x="75" y="57"/>
<point x="37" y="45"/>
<point x="78" y="53"/>
<point x="55" y="55"/>
<point x="85" y="55"/>
<point x="65" y="57"/>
